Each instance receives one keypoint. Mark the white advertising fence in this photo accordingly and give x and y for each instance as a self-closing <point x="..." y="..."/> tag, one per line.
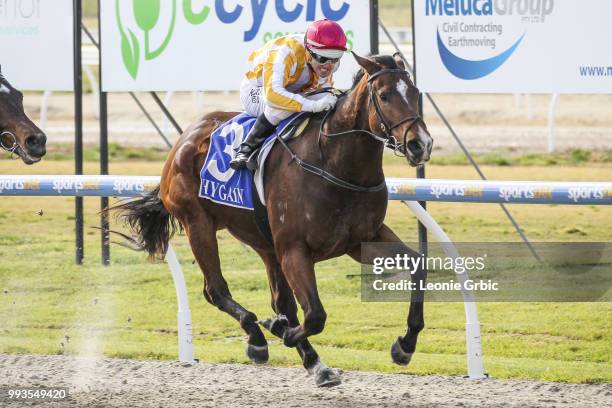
<point x="532" y="46"/>
<point x="36" y="44"/>
<point x="190" y="45"/>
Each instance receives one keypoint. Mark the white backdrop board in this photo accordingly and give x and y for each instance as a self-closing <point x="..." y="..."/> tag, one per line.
<point x="189" y="45"/>
<point x="36" y="49"/>
<point x="534" y="46"/>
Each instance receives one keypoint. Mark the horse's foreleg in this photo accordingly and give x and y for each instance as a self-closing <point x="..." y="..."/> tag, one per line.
<point x="201" y="231"/>
<point x="283" y="303"/>
<point x="404" y="347"/>
<point x="298" y="268"/>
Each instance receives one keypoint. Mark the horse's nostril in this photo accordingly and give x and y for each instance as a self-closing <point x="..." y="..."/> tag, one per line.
<point x="415" y="147"/>
<point x="36" y="140"/>
<point x="31" y="141"/>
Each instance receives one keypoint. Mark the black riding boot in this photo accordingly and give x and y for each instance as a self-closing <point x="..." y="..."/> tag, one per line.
<point x="259" y="132"/>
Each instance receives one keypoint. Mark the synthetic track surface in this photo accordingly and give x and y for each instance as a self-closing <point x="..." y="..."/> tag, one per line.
<point x="136" y="383"/>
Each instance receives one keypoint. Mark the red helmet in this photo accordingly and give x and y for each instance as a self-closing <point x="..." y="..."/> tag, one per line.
<point x="326" y="38"/>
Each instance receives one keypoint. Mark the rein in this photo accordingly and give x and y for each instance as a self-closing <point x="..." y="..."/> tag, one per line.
<point x="389" y="140"/>
<point x="311" y="168"/>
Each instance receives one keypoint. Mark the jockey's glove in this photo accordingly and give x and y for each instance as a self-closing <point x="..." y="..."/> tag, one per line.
<point x="326" y="103"/>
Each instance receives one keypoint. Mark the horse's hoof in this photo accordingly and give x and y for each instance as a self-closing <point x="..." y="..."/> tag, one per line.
<point x="398" y="354"/>
<point x="257" y="354"/>
<point x="276" y="325"/>
<point x="327" y="377"/>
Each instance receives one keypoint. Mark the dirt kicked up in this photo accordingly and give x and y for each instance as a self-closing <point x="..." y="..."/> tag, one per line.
<point x="133" y="383"/>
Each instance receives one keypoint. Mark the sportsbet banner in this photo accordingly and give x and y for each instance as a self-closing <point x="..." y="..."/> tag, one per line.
<point x="538" y="46"/>
<point x="184" y="45"/>
<point x="36" y="49"/>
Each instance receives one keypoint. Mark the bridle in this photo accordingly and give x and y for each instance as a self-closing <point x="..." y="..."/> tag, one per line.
<point x="385" y="127"/>
<point x="14" y="146"/>
<point x="388" y="140"/>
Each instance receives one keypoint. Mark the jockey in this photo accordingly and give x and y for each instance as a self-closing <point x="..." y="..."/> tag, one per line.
<point x="281" y="72"/>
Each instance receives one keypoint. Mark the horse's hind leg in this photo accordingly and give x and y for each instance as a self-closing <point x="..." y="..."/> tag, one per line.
<point x="201" y="230"/>
<point x="283" y="303"/>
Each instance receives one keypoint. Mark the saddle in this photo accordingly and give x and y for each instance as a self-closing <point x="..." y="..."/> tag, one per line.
<point x="292" y="130"/>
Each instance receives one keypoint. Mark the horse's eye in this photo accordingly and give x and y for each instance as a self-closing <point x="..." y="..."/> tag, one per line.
<point x="384" y="97"/>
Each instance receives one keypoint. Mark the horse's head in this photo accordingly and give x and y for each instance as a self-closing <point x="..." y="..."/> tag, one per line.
<point x="393" y="106"/>
<point x="17" y="132"/>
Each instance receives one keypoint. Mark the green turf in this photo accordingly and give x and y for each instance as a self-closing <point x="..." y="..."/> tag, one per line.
<point x="48" y="305"/>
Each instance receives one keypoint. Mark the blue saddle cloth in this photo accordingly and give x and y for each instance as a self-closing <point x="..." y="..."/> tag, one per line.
<point x="218" y="181"/>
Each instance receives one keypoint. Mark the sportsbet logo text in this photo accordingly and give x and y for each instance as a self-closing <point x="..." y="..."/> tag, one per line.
<point x="11" y="185"/>
<point x="60" y="185"/>
<point x="121" y="186"/>
<point x="586" y="193"/>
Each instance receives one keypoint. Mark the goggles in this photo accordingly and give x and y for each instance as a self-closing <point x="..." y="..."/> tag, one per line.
<point x="323" y="60"/>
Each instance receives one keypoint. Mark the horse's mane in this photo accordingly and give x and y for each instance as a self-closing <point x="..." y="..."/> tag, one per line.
<point x="386" y="61"/>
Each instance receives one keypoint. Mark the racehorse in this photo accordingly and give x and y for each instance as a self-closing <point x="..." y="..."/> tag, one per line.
<point x="325" y="194"/>
<point x="17" y="132"/>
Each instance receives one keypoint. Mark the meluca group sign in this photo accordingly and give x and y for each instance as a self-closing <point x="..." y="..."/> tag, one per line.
<point x="536" y="46"/>
<point x="186" y="45"/>
<point x="36" y="49"/>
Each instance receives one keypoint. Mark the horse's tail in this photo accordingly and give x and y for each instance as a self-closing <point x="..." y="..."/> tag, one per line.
<point x="151" y="223"/>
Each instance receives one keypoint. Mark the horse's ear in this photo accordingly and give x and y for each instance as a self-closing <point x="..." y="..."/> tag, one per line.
<point x="369" y="65"/>
<point x="399" y="61"/>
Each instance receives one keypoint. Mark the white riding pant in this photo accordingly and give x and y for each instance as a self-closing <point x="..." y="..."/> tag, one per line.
<point x="254" y="103"/>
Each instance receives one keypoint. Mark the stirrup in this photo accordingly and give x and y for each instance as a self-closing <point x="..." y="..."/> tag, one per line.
<point x="239" y="163"/>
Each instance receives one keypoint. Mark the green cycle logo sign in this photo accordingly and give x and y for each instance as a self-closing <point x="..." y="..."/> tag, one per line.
<point x="249" y="17"/>
<point x="146" y="15"/>
<point x="187" y="45"/>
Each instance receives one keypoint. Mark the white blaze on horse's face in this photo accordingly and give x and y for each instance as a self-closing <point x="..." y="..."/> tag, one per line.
<point x="4" y="89"/>
<point x="402" y="88"/>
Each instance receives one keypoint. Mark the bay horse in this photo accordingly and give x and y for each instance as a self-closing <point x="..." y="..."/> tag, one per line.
<point x="323" y="198"/>
<point x="18" y="134"/>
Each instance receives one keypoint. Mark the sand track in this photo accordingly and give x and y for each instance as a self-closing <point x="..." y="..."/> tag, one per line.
<point x="132" y="383"/>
